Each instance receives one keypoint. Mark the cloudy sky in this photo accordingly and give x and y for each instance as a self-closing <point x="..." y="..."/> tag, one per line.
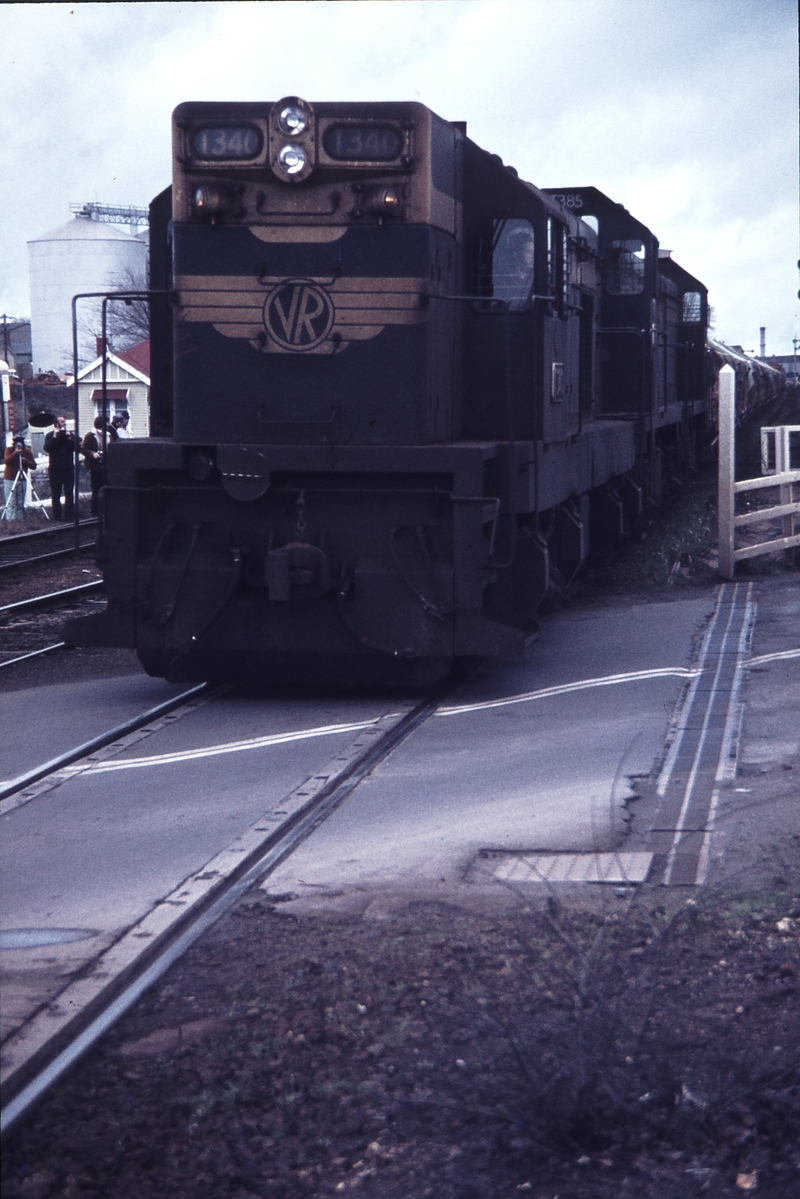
<point x="683" y="110"/>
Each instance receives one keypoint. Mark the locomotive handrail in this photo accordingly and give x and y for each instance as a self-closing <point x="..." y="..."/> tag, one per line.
<point x="502" y="305"/>
<point x="105" y="296"/>
<point x="438" y="611"/>
<point x="482" y="499"/>
<point x="233" y="583"/>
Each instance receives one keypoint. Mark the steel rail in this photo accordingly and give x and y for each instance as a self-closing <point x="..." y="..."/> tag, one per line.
<point x="34" y="653"/>
<point x="87" y="747"/>
<point x="158" y="955"/>
<point x="51" y="531"/>
<point x="52" y="598"/>
<point x="34" y="559"/>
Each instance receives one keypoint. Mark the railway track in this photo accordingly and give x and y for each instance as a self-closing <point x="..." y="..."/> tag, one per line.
<point x="45" y="1046"/>
<point x="51" y="599"/>
<point x="19" y="635"/>
<point x="28" y="549"/>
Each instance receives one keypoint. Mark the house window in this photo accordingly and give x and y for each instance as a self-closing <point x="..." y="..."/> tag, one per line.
<point x="626" y="261"/>
<point x="117" y="400"/>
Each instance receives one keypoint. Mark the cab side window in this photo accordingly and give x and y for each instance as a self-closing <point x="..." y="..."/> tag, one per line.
<point x="692" y="307"/>
<point x="503" y="263"/>
<point x="625" y="269"/>
<point x="557" y="264"/>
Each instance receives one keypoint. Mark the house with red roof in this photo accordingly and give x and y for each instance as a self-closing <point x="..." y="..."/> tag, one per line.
<point x="127" y="388"/>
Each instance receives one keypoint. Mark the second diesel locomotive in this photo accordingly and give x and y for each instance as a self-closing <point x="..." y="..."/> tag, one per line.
<point x="395" y="391"/>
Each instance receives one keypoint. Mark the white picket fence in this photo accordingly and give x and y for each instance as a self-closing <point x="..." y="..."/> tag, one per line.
<point x="779" y="475"/>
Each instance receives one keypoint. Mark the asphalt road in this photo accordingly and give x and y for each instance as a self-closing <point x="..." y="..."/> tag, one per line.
<point x="501" y="767"/>
<point x="97" y="852"/>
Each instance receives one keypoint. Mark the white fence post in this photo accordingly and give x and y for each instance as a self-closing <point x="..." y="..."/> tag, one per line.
<point x="783" y="463"/>
<point x="727" y="433"/>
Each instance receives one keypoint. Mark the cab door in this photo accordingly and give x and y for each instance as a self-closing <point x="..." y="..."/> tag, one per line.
<point x="499" y="330"/>
<point x="561" y="357"/>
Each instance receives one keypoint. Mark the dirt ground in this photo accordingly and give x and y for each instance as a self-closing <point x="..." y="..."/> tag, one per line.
<point x="644" y="1047"/>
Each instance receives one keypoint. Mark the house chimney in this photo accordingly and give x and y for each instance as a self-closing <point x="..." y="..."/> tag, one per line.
<point x="763" y="333"/>
<point x="99" y="346"/>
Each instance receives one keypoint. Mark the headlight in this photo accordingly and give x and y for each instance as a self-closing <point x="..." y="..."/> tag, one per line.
<point x="292" y="120"/>
<point x="292" y="159"/>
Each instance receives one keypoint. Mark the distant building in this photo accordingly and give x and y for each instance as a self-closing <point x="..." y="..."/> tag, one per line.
<point x="127" y="385"/>
<point x="84" y="255"/>
<point x="15" y="345"/>
<point x="789" y="362"/>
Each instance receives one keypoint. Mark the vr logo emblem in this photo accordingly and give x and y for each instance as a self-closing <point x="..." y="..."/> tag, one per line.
<point x="298" y="315"/>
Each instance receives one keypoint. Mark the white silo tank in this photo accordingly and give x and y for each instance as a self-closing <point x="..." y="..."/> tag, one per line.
<point x="83" y="255"/>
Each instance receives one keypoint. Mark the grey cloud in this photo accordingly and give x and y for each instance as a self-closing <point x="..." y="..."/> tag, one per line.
<point x="686" y="105"/>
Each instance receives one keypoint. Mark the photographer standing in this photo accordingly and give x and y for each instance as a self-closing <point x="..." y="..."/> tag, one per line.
<point x="18" y="459"/>
<point x="59" y="445"/>
<point x="93" y="449"/>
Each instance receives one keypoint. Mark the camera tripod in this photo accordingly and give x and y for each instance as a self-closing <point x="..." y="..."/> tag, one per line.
<point x="10" y="502"/>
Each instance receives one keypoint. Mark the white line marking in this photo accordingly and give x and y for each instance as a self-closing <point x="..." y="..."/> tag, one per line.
<point x="782" y="656"/>
<point x="609" y="680"/>
<point x="687" y="795"/>
<point x="731" y="724"/>
<point x="686" y="706"/>
<point x="230" y="747"/>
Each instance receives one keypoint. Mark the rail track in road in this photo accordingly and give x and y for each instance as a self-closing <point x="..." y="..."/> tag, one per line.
<point x="693" y="763"/>
<point x="38" y="1053"/>
<point x="703" y="744"/>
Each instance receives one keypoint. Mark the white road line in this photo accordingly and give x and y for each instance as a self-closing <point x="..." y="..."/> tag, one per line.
<point x="732" y="720"/>
<point x="686" y="706"/>
<point x="609" y="680"/>
<point x="781" y="656"/>
<point x="687" y="795"/>
<point x="230" y="747"/>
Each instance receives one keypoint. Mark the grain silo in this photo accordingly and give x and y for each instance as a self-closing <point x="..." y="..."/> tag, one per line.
<point x="84" y="255"/>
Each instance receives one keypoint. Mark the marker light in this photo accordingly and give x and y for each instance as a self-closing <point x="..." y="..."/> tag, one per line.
<point x="292" y="159"/>
<point x="383" y="201"/>
<point x="292" y="120"/>
<point x="211" y="200"/>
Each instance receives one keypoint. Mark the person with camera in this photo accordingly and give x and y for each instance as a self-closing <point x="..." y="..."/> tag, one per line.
<point x="93" y="449"/>
<point x="59" y="445"/>
<point x="18" y="459"/>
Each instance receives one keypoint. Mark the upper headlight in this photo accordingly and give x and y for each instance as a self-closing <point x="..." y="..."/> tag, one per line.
<point x="292" y="120"/>
<point x="292" y="159"/>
